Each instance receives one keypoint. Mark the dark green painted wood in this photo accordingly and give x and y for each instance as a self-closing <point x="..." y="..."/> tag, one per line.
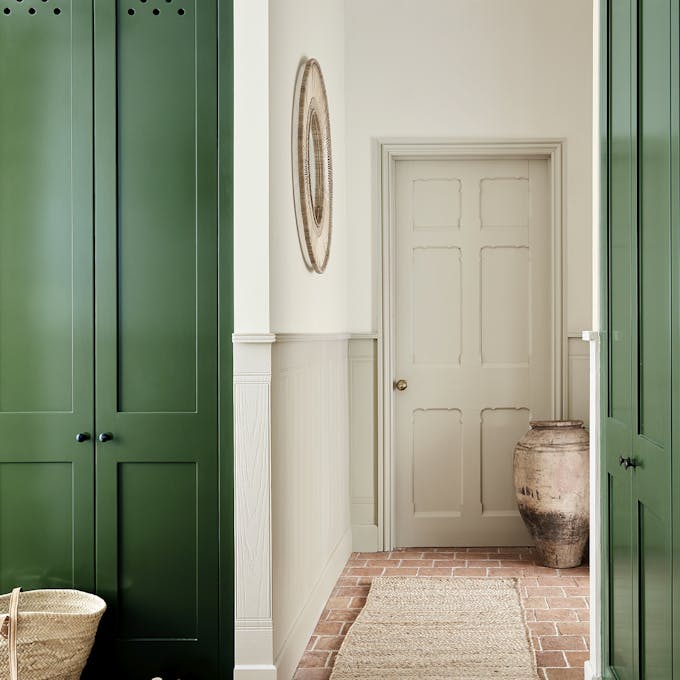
<point x="46" y="338"/>
<point x="636" y="358"/>
<point x="226" y="328"/>
<point x="165" y="546"/>
<point x="157" y="336"/>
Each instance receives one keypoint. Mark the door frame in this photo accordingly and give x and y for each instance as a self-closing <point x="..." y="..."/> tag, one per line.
<point x="388" y="153"/>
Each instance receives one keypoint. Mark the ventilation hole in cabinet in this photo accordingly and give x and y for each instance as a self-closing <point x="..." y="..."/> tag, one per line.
<point x="156" y="12"/>
<point x="31" y="11"/>
<point x="180" y="12"/>
<point x="7" y="10"/>
<point x="131" y="12"/>
<point x="57" y="10"/>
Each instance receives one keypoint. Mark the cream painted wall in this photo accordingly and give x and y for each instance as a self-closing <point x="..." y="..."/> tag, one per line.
<point x="251" y="161"/>
<point x="468" y="69"/>
<point x="302" y="301"/>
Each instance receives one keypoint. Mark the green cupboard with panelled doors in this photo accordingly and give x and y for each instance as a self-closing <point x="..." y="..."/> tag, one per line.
<point x="640" y="344"/>
<point x="115" y="322"/>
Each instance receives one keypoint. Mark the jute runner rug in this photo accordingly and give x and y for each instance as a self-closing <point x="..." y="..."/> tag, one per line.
<point x="438" y="629"/>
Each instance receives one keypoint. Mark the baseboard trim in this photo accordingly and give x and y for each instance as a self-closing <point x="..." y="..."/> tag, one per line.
<point x="365" y="538"/>
<point x="588" y="673"/>
<point x="255" y="672"/>
<point x="287" y="659"/>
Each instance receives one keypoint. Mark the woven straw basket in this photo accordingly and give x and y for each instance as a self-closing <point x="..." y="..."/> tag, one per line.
<point x="47" y="634"/>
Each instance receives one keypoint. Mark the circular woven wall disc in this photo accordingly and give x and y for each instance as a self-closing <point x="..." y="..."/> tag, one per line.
<point x="312" y="166"/>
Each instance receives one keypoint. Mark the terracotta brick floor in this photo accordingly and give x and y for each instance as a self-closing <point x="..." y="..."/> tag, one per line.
<point x="555" y="601"/>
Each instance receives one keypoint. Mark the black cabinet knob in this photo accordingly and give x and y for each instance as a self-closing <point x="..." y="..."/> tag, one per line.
<point x="105" y="437"/>
<point x="627" y="463"/>
<point x="82" y="437"/>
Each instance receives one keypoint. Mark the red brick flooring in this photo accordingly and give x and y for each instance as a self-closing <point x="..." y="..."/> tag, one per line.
<point x="555" y="601"/>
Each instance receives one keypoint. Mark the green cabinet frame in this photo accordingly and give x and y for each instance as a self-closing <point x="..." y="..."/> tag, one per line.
<point x="84" y="328"/>
<point x="640" y="378"/>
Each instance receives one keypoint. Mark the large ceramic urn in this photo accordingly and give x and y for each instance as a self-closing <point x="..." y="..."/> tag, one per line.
<point x="551" y="467"/>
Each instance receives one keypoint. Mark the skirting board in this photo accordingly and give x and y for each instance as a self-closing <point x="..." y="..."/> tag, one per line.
<point x="287" y="660"/>
<point x="255" y="673"/>
<point x="364" y="538"/>
<point x="588" y="673"/>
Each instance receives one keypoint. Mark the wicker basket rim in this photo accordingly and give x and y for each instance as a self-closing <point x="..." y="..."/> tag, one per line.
<point x="89" y="603"/>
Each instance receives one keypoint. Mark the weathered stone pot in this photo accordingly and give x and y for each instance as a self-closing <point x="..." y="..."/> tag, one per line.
<point x="551" y="470"/>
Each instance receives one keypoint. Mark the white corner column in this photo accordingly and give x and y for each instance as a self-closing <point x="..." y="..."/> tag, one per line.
<point x="254" y="644"/>
<point x="593" y="666"/>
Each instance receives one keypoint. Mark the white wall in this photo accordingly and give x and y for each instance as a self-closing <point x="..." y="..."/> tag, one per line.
<point x="251" y="162"/>
<point x="468" y="69"/>
<point x="302" y="301"/>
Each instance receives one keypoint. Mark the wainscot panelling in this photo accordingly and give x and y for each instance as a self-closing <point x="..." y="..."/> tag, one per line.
<point x="311" y="530"/>
<point x="363" y="406"/>
<point x="578" y="379"/>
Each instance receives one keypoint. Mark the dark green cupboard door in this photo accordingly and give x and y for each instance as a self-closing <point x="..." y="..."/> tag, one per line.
<point x="156" y="334"/>
<point x="46" y="339"/>
<point x="642" y="44"/>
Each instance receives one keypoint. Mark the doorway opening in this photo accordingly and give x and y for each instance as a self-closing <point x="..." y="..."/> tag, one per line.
<point x="472" y="313"/>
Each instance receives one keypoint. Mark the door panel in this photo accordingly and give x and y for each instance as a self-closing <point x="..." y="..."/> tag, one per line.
<point x="656" y="642"/>
<point x="618" y="419"/>
<point x="637" y="348"/>
<point x="156" y="282"/>
<point x="652" y="443"/>
<point x="46" y="334"/>
<point x="472" y="339"/>
<point x="622" y="570"/>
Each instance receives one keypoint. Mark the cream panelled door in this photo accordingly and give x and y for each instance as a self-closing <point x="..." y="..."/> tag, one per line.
<point x="473" y="341"/>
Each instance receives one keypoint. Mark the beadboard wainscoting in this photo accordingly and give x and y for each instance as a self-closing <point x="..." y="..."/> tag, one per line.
<point x="366" y="465"/>
<point x="311" y="532"/>
<point x="292" y="468"/>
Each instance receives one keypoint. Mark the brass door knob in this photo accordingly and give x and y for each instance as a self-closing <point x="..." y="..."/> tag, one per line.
<point x="400" y="384"/>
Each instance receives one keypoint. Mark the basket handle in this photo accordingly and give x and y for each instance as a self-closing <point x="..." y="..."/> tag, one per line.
<point x="9" y="632"/>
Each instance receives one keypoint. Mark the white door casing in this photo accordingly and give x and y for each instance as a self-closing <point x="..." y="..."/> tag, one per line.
<point x="473" y="305"/>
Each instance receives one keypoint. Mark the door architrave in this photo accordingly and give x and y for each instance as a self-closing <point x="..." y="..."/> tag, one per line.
<point x="388" y="153"/>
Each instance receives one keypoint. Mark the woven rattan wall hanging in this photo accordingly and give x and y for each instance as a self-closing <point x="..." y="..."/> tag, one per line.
<point x="312" y="166"/>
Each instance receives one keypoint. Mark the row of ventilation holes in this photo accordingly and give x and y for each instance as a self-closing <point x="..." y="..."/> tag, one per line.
<point x="31" y="10"/>
<point x="155" y="11"/>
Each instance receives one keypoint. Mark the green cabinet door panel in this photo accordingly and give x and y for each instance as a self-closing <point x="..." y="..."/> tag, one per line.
<point x="652" y="440"/>
<point x="156" y="283"/>
<point x="115" y="240"/>
<point x="637" y="412"/>
<point x="46" y="295"/>
<point x="617" y="345"/>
